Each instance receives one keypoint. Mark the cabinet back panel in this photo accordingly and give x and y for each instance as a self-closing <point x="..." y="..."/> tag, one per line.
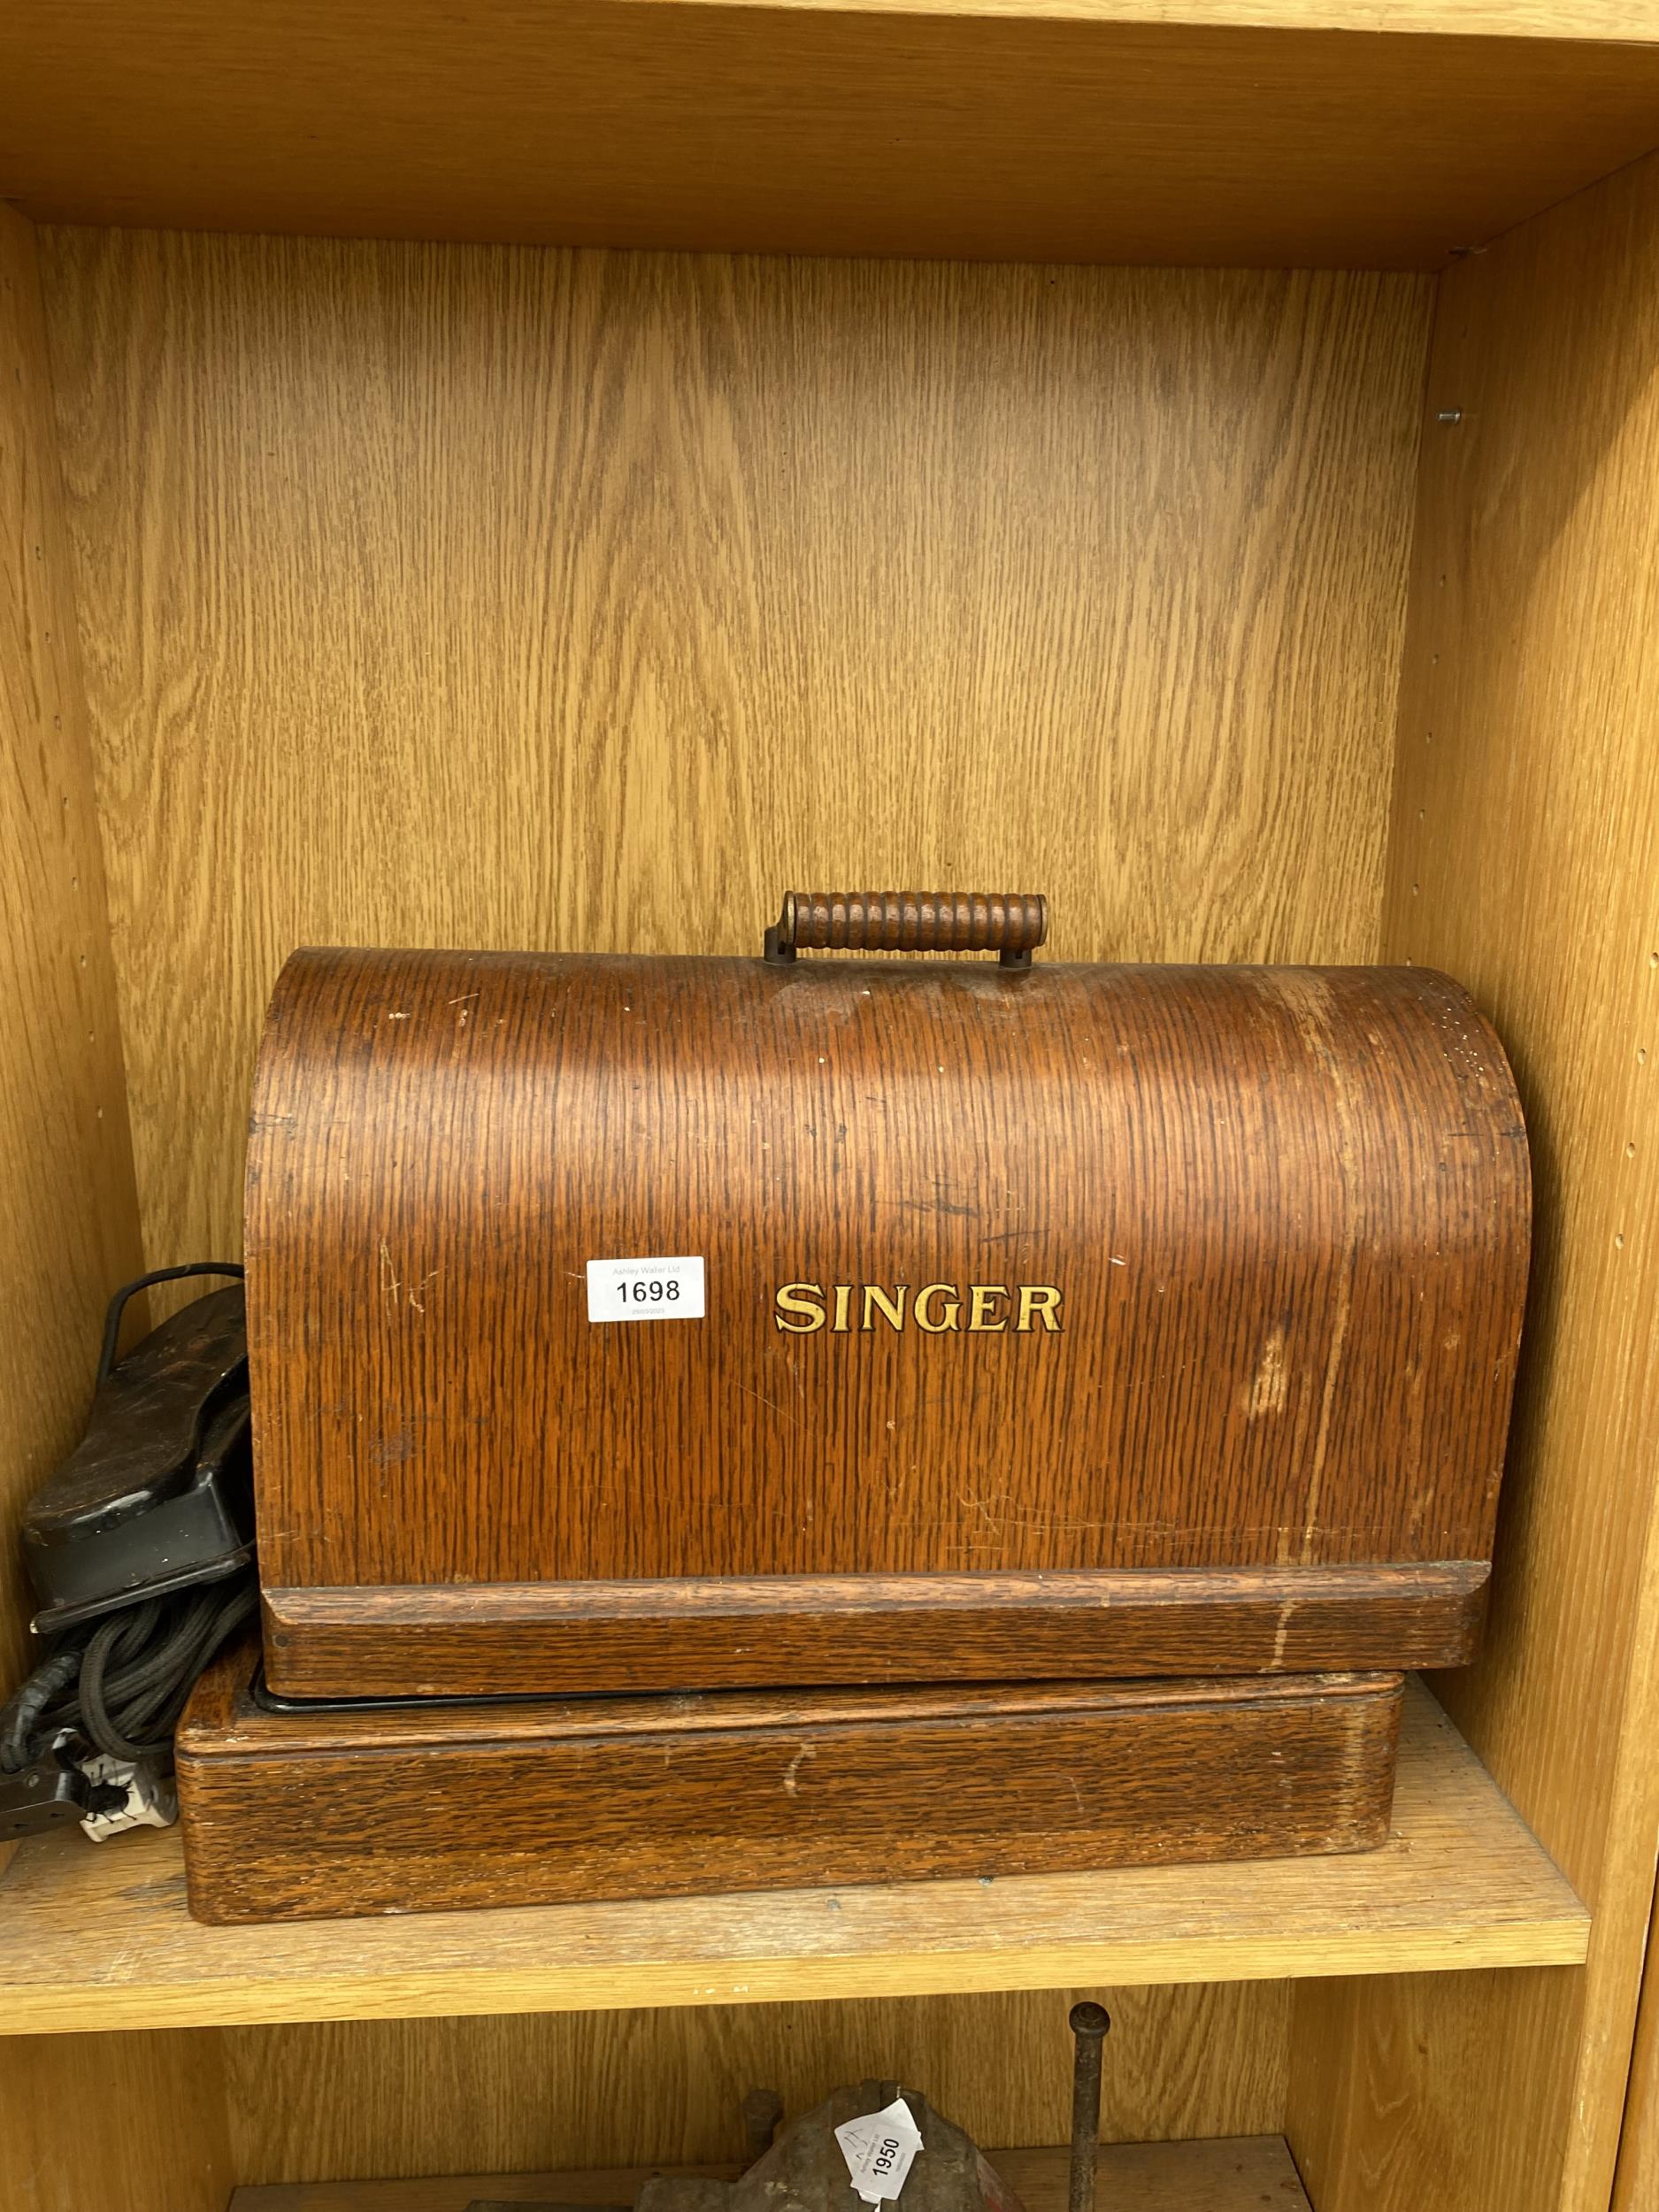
<point x="351" y="2098"/>
<point x="492" y="596"/>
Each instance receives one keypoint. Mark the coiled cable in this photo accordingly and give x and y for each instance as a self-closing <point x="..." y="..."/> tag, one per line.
<point x="123" y="1681"/>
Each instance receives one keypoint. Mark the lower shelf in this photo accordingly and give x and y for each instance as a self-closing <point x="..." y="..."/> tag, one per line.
<point x="1461" y="1883"/>
<point x="1244" y="2173"/>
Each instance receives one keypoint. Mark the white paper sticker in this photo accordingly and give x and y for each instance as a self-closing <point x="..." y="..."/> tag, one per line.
<point x="880" y="2150"/>
<point x="645" y="1290"/>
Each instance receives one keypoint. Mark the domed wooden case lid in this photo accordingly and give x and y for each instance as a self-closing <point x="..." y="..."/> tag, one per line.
<point x="618" y="1320"/>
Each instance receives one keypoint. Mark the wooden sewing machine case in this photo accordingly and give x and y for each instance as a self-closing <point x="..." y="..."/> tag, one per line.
<point x="777" y="1421"/>
<point x="1050" y="1321"/>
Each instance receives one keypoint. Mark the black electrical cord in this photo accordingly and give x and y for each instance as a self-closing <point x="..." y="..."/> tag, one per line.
<point x="23" y="1733"/>
<point x="122" y="1683"/>
<point x="118" y="1304"/>
<point x="132" y="1715"/>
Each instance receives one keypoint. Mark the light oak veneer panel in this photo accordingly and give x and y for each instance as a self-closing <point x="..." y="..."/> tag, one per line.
<point x="1075" y="133"/>
<point x="116" y="2123"/>
<point x="1637" y="2185"/>
<point x="1525" y="859"/>
<point x="66" y="1192"/>
<point x="368" y="2099"/>
<point x="511" y="598"/>
<point x="70" y="1227"/>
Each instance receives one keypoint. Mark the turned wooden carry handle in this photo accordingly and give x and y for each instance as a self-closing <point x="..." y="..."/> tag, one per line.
<point x="1012" y="923"/>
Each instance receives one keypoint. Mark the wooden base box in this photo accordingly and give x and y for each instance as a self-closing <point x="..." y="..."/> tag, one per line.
<point x="294" y="1815"/>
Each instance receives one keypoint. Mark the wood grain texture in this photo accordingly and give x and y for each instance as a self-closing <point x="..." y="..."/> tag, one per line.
<point x="137" y="2121"/>
<point x="1460" y="1882"/>
<point x="69" y="1207"/>
<point x="1069" y="134"/>
<point x="524" y="599"/>
<point x="1277" y="1217"/>
<point x="482" y="1640"/>
<point x="1526" y="856"/>
<point x="1232" y="2174"/>
<point x="303" y="1817"/>
<point x="1636" y="2185"/>
<point x="67" y="1189"/>
<point x="418" y="2097"/>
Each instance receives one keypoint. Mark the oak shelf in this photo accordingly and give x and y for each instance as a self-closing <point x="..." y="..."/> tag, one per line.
<point x="1460" y="1884"/>
<point x="1228" y="2174"/>
<point x="1259" y="133"/>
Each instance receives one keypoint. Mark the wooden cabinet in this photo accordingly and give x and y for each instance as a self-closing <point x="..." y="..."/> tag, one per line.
<point x="1198" y="459"/>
